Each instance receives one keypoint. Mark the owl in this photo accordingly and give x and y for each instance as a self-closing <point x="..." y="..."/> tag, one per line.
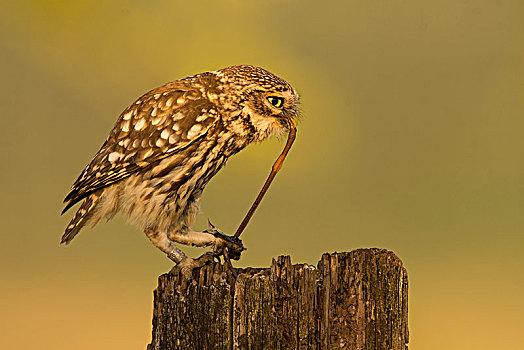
<point x="168" y="144"/>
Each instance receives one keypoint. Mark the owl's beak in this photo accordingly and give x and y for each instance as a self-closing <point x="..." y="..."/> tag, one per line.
<point x="292" y="122"/>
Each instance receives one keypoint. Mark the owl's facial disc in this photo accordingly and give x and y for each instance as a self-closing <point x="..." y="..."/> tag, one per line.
<point x="272" y="112"/>
<point x="281" y="104"/>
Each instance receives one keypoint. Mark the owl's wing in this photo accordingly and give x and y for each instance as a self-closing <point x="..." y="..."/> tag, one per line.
<point x="162" y="122"/>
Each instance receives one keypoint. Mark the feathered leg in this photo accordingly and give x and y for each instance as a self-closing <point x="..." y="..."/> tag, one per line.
<point x="184" y="264"/>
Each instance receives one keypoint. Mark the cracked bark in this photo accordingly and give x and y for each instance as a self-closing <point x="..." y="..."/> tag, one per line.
<point x="356" y="300"/>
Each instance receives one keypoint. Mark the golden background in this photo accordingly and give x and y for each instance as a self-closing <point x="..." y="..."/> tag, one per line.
<point x="411" y="140"/>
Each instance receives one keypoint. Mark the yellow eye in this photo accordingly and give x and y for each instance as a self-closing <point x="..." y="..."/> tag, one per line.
<point x="276" y="101"/>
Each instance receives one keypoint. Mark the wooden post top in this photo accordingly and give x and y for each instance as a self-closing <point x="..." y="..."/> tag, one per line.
<point x="350" y="300"/>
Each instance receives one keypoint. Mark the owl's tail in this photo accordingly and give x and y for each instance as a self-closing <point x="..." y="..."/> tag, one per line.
<point x="82" y="216"/>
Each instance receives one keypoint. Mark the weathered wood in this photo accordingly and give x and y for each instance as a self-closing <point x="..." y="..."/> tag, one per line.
<point x="355" y="300"/>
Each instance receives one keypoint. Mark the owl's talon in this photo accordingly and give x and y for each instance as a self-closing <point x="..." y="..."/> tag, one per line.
<point x="187" y="265"/>
<point x="233" y="244"/>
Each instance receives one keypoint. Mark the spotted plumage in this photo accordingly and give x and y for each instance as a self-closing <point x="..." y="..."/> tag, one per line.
<point x="168" y="144"/>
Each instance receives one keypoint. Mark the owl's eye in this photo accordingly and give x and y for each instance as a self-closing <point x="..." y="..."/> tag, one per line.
<point x="276" y="101"/>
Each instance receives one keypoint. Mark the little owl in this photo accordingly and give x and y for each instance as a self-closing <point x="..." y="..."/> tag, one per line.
<point x="168" y="144"/>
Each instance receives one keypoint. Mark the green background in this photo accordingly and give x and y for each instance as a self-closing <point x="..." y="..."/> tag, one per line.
<point x="411" y="140"/>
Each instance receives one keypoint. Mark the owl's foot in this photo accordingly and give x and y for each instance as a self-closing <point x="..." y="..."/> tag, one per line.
<point x="187" y="265"/>
<point x="233" y="244"/>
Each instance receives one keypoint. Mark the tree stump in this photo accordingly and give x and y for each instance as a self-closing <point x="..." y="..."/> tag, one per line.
<point x="356" y="300"/>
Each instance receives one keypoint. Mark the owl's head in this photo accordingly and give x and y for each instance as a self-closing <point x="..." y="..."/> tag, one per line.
<point x="268" y="103"/>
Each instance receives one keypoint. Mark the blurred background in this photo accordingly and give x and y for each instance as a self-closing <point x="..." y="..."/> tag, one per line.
<point x="411" y="140"/>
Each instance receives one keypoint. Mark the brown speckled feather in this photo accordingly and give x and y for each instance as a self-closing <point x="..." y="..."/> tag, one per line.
<point x="158" y="124"/>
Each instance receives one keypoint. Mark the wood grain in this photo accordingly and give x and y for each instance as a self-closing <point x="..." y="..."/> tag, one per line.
<point x="355" y="300"/>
